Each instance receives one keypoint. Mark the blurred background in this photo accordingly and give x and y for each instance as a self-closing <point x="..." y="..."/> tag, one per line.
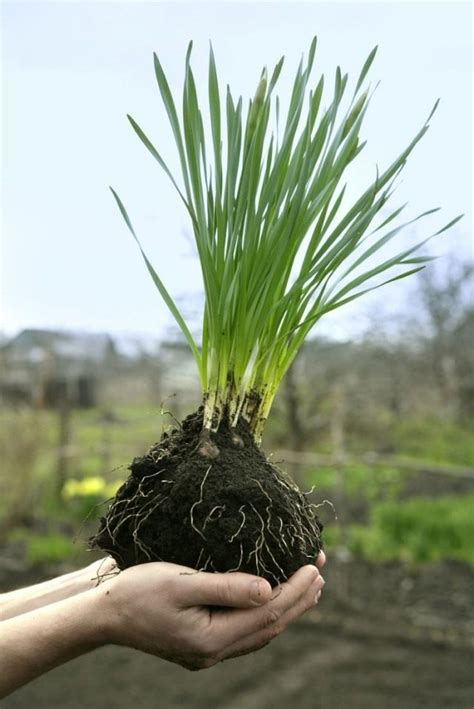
<point x="376" y="414"/>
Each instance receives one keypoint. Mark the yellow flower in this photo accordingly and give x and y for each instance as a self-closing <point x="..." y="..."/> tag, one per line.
<point x="93" y="485"/>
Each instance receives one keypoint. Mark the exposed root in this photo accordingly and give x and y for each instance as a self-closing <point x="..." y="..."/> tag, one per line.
<point x="199" y="502"/>
<point x="275" y="541"/>
<point x="99" y="576"/>
<point x="165" y="412"/>
<point x="239" y="565"/>
<point x="236" y="534"/>
<point x="208" y="560"/>
<point x="211" y="517"/>
<point x="134" y="513"/>
<point x="199" y="557"/>
<point x="226" y="515"/>
<point x="326" y="502"/>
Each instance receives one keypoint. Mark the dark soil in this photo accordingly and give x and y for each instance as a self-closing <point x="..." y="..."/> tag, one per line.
<point x="233" y="512"/>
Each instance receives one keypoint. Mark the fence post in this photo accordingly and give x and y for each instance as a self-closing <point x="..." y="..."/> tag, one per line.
<point x="64" y="440"/>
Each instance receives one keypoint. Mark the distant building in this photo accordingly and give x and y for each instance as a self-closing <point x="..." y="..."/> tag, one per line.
<point x="48" y="367"/>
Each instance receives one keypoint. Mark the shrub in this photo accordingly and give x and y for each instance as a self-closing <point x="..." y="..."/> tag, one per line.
<point x="47" y="548"/>
<point x="421" y="530"/>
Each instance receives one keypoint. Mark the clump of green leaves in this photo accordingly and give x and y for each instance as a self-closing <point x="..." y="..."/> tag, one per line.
<point x="360" y="481"/>
<point x="48" y="548"/>
<point x="278" y="242"/>
<point x="419" y="530"/>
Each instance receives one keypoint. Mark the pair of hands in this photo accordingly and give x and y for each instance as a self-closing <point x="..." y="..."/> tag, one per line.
<point x="197" y="619"/>
<point x="189" y="617"/>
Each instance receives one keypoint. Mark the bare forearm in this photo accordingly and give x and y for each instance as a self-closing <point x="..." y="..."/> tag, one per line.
<point x="27" y="599"/>
<point x="34" y="643"/>
<point x="159" y="608"/>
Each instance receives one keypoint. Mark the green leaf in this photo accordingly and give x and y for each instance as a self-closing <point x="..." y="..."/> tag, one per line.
<point x="279" y="241"/>
<point x="160" y="285"/>
<point x="366" y="68"/>
<point x="149" y="145"/>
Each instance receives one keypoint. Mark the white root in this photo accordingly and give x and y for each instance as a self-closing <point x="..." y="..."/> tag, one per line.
<point x="199" y="557"/>
<point x="210" y="517"/>
<point x="274" y="561"/>
<point x="326" y="502"/>
<point x="275" y="540"/>
<point x="191" y="512"/>
<point x="206" y="564"/>
<point x="143" y="519"/>
<point x="236" y="534"/>
<point x="259" y="543"/>
<point x="267" y="510"/>
<point x="239" y="565"/>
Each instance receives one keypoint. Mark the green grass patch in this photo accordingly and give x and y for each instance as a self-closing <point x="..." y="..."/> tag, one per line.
<point x="359" y="480"/>
<point x="435" y="441"/>
<point x="421" y="530"/>
<point x="49" y="548"/>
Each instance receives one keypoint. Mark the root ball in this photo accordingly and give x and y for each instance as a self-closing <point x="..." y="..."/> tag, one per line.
<point x="232" y="512"/>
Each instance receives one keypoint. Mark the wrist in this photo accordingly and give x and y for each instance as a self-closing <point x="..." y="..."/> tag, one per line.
<point x="108" y="614"/>
<point x="104" y="622"/>
<point x="91" y="576"/>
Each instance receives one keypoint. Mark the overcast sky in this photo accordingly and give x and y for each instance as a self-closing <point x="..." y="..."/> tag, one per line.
<point x="72" y="70"/>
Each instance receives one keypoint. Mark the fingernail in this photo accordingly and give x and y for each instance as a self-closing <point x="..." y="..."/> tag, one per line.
<point x="317" y="597"/>
<point x="319" y="582"/>
<point x="256" y="593"/>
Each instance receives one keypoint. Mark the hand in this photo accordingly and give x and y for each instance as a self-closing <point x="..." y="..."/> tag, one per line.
<point x="99" y="571"/>
<point x="320" y="561"/>
<point x="197" y="619"/>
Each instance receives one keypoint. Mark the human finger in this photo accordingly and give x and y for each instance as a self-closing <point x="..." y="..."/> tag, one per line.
<point x="234" y="590"/>
<point x="232" y="626"/>
<point x="321" y="559"/>
<point x="262" y="637"/>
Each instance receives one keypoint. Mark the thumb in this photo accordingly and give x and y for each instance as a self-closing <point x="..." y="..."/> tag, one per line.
<point x="234" y="590"/>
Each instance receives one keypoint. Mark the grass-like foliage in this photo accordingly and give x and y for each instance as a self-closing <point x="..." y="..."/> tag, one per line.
<point x="420" y="530"/>
<point x="279" y="243"/>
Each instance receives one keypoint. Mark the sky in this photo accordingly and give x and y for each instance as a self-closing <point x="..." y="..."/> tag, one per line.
<point x="71" y="71"/>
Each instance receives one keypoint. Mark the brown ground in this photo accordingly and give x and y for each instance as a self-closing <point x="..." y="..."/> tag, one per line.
<point x="383" y="637"/>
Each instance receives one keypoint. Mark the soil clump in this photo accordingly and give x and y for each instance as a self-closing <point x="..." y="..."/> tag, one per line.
<point x="236" y="511"/>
